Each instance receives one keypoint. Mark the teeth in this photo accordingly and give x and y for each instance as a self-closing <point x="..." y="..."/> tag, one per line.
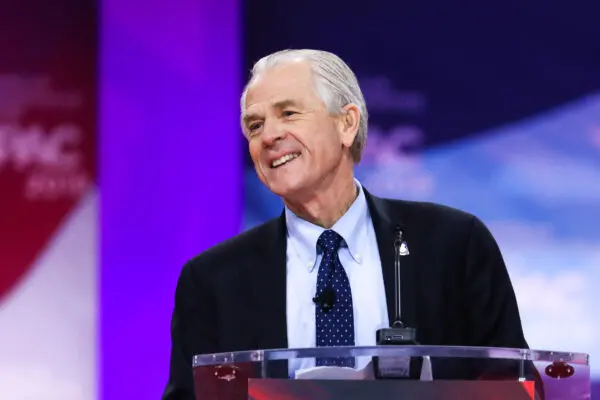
<point x="284" y="159"/>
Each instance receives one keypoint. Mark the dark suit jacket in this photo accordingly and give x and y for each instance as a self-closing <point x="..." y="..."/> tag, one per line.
<point x="454" y="285"/>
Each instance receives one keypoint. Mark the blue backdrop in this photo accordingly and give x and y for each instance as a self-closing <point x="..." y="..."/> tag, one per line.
<point x="494" y="109"/>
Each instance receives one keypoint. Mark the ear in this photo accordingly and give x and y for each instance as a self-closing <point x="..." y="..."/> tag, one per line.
<point x="349" y="120"/>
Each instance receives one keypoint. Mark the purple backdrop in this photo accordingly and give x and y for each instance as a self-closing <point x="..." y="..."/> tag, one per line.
<point x="170" y="170"/>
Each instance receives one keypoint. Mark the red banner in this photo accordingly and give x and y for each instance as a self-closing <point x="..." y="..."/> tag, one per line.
<point x="47" y="132"/>
<point x="48" y="306"/>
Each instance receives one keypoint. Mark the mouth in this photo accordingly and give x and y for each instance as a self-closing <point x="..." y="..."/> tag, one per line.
<point x="284" y="160"/>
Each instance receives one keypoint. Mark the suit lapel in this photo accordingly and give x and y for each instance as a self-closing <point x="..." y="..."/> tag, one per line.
<point x="268" y="293"/>
<point x="268" y="303"/>
<point x="385" y="218"/>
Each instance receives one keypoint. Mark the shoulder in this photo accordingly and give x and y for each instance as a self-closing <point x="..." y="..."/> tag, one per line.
<point x="434" y="222"/>
<point x="433" y="214"/>
<point x="231" y="252"/>
<point x="445" y="233"/>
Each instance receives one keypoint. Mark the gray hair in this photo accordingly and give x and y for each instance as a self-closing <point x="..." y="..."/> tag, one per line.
<point x="335" y="84"/>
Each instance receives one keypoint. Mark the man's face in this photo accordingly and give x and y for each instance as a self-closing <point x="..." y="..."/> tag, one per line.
<point x="295" y="143"/>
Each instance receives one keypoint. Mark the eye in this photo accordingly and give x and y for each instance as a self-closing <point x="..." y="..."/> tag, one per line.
<point x="254" y="126"/>
<point x="289" y="113"/>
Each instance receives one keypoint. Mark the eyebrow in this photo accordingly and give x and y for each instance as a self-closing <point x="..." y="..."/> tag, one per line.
<point x="286" y="103"/>
<point x="279" y="104"/>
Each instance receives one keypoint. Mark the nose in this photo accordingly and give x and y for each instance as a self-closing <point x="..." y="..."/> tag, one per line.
<point x="272" y="132"/>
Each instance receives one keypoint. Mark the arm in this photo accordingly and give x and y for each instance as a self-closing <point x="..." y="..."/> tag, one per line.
<point x="493" y="314"/>
<point x="193" y="331"/>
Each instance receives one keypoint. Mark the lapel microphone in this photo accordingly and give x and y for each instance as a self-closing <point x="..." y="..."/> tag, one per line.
<point x="398" y="333"/>
<point x="325" y="300"/>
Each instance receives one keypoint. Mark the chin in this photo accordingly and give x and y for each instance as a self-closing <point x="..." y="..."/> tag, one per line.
<point x="286" y="189"/>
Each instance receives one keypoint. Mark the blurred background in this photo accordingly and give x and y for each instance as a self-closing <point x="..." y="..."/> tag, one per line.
<point x="121" y="157"/>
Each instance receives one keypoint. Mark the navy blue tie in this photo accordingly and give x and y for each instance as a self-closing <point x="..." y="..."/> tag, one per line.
<point x="335" y="326"/>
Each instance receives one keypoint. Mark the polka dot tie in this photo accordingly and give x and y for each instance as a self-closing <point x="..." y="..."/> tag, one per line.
<point x="335" y="327"/>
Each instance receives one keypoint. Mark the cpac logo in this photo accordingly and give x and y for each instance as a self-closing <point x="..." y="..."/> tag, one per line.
<point x="50" y="162"/>
<point x="31" y="147"/>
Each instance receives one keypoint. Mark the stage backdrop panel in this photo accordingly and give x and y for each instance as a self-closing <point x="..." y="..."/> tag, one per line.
<point x="170" y="170"/>
<point x="486" y="107"/>
<point x="47" y="200"/>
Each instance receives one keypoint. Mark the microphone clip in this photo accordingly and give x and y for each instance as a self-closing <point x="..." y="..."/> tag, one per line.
<point x="325" y="300"/>
<point x="403" y="251"/>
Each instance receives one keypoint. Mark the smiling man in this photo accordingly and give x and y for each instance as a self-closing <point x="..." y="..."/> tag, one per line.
<point x="297" y="143"/>
<point x="322" y="273"/>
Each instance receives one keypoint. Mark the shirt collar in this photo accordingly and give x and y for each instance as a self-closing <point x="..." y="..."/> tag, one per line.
<point x="352" y="227"/>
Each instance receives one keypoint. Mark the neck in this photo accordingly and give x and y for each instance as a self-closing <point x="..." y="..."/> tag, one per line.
<point x="326" y="208"/>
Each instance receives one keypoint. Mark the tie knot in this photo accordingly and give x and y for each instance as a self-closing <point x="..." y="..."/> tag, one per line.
<point x="329" y="241"/>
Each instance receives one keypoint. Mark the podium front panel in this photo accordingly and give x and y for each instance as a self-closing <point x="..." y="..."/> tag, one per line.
<point x="270" y="389"/>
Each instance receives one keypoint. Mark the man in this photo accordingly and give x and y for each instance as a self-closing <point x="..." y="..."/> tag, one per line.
<point x="305" y="120"/>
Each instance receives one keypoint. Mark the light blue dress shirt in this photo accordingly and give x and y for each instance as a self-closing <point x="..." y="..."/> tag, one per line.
<point x="360" y="257"/>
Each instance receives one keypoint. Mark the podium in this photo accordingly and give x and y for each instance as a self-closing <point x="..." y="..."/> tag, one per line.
<point x="393" y="372"/>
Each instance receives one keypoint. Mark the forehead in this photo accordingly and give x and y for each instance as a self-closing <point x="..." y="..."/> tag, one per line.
<point x="291" y="81"/>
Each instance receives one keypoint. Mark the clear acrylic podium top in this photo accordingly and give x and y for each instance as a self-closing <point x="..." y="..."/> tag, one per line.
<point x="238" y="375"/>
